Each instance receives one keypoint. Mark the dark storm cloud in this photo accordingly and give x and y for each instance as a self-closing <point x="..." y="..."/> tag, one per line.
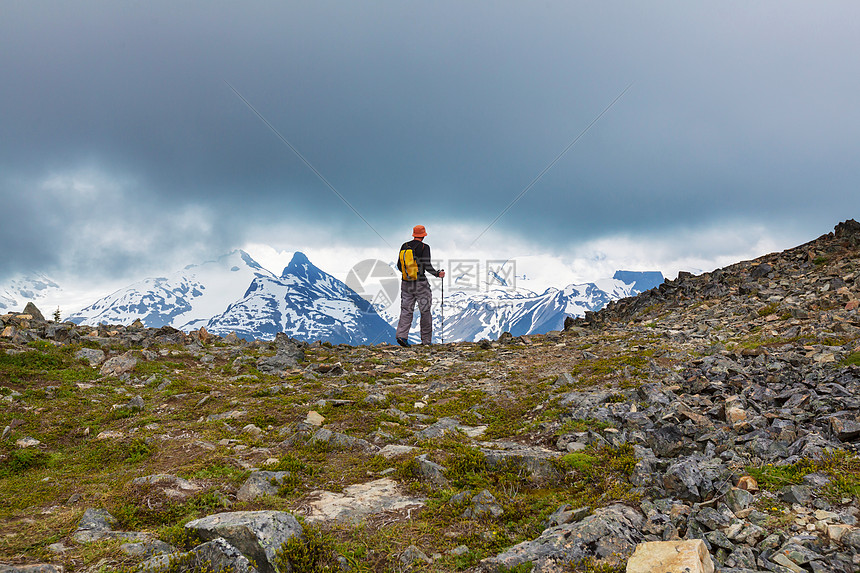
<point x="447" y="109"/>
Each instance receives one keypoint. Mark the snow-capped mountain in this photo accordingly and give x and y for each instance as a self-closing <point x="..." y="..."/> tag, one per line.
<point x="22" y="289"/>
<point x="184" y="299"/>
<point x="307" y="304"/>
<point x="471" y="316"/>
<point x="235" y="294"/>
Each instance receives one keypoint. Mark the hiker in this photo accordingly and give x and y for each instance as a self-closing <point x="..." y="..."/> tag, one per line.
<point x="414" y="260"/>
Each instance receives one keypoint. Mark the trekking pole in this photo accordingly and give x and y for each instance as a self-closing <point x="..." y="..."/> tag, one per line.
<point x="442" y="335"/>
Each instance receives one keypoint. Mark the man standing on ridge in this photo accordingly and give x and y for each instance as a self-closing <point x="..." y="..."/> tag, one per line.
<point x="413" y="261"/>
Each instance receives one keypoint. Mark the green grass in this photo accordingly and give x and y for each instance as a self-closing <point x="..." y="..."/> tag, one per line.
<point x="842" y="467"/>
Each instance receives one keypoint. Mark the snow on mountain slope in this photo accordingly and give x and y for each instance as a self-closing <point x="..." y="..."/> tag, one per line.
<point x="305" y="303"/>
<point x="471" y="316"/>
<point x="185" y="299"/>
<point x="22" y="289"/>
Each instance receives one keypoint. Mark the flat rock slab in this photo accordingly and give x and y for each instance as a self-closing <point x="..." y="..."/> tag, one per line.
<point x="172" y="486"/>
<point x="394" y="450"/>
<point x="359" y="501"/>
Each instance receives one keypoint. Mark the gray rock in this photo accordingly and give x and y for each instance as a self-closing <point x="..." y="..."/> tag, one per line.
<point x="431" y="471"/>
<point x="461" y="498"/>
<point x="31" y="309"/>
<point x="852" y="539"/>
<point x="743" y="557"/>
<point x="34" y="568"/>
<point x="170" y="485"/>
<point x="412" y="555"/>
<point x="324" y="435"/>
<point x="799" y="494"/>
<point x="739" y="499"/>
<point x="215" y="555"/>
<point x="147" y="549"/>
<point x="287" y="356"/>
<point x="539" y="463"/>
<point x="440" y="428"/>
<point x="260" y="484"/>
<point x="119" y="365"/>
<point x="683" y="479"/>
<point x="484" y="505"/>
<point x="712" y="519"/>
<point x="96" y="520"/>
<point x="91" y="355"/>
<point x="845" y="430"/>
<point x="610" y="533"/>
<point x="667" y="441"/>
<point x="566" y="514"/>
<point x="257" y="534"/>
<point x="136" y="404"/>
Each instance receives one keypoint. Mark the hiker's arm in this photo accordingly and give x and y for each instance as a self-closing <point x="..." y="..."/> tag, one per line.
<point x="426" y="260"/>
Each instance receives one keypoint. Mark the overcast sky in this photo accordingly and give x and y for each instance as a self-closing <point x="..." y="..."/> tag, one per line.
<point x="124" y="152"/>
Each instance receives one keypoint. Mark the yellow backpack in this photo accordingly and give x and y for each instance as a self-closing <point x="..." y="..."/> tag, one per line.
<point x="408" y="264"/>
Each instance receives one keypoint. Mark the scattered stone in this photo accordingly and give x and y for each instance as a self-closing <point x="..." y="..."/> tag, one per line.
<point x="484" y="505"/>
<point x="394" y="450"/>
<point x="413" y="555"/>
<point x="171" y="486"/>
<point x="314" y="418"/>
<point x="27" y="442"/>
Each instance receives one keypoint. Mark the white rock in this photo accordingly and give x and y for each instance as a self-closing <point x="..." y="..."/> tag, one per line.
<point x="671" y="557"/>
<point x="27" y="442"/>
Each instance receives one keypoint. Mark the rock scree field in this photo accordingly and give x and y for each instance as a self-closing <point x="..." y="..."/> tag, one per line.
<point x="717" y="413"/>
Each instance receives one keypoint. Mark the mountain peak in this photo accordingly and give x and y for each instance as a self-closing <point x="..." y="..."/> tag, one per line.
<point x="301" y="266"/>
<point x="299" y="258"/>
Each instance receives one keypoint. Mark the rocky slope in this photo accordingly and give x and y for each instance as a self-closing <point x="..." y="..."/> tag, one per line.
<point x="723" y="408"/>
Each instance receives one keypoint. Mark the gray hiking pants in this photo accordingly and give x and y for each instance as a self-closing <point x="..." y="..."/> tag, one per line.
<point x="410" y="293"/>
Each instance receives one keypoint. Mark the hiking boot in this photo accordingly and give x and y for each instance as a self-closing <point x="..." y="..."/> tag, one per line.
<point x="403" y="342"/>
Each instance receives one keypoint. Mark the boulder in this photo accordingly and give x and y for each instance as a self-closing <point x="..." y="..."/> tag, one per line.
<point x="609" y="535"/>
<point x="217" y="555"/>
<point x="92" y="355"/>
<point x="261" y="484"/>
<point x="257" y="534"/>
<point x="671" y="557"/>
<point x="33" y="311"/>
<point x="119" y="365"/>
